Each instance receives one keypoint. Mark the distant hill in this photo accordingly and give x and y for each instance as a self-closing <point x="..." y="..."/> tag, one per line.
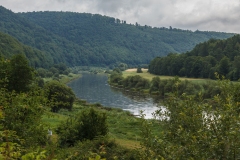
<point x="10" y="46"/>
<point x="92" y="39"/>
<point x="222" y="56"/>
<point x="57" y="49"/>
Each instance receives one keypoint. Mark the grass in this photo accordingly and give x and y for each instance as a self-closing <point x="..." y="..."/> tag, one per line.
<point x="53" y="119"/>
<point x="147" y="75"/>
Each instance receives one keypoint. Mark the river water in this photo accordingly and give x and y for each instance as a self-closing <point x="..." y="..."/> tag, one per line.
<point x="94" y="89"/>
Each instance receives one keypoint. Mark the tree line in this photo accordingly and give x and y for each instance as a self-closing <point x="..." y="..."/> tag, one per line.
<point x="222" y="56"/>
<point x="163" y="87"/>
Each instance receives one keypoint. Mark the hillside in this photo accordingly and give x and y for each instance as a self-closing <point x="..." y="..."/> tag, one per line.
<point x="222" y="56"/>
<point x="114" y="40"/>
<point x="57" y="49"/>
<point x="89" y="39"/>
<point x="10" y="46"/>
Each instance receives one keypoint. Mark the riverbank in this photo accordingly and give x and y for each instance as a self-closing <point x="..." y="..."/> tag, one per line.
<point x="64" y="78"/>
<point x="123" y="127"/>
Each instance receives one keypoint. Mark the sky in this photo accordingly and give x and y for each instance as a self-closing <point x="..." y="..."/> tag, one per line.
<point x="204" y="15"/>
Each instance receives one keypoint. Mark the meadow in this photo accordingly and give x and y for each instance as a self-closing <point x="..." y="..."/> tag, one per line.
<point x="147" y="75"/>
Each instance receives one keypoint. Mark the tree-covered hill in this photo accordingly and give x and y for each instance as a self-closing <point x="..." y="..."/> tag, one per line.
<point x="10" y="46"/>
<point x="91" y="39"/>
<point x="57" y="49"/>
<point x="116" y="40"/>
<point x="222" y="56"/>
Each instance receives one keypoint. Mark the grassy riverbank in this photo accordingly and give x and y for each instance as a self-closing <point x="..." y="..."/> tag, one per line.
<point x="64" y="78"/>
<point x="123" y="127"/>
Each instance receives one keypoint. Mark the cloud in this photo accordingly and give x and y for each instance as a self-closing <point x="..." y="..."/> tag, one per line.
<point x="211" y="15"/>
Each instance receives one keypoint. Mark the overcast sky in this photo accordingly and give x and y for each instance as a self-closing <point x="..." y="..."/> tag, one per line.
<point x="204" y="15"/>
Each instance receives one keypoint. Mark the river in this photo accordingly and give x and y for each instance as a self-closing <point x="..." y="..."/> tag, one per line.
<point x="94" y="89"/>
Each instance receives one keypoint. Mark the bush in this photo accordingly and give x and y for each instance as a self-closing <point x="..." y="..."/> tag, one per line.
<point x="88" y="124"/>
<point x="59" y="95"/>
<point x="139" y="70"/>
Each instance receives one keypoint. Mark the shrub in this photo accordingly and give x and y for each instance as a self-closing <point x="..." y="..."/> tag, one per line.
<point x="88" y="124"/>
<point x="139" y="70"/>
<point x="59" y="95"/>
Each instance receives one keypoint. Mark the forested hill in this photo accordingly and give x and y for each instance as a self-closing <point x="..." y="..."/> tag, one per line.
<point x="222" y="56"/>
<point x="57" y="49"/>
<point x="10" y="46"/>
<point x="90" y="39"/>
<point x="113" y="40"/>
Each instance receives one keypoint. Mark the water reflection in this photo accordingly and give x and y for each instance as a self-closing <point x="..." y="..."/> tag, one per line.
<point x="94" y="88"/>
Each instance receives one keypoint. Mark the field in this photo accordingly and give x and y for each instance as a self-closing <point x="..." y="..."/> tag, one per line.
<point x="147" y="75"/>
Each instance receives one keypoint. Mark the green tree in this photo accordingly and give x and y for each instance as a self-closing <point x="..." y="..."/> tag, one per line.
<point x="116" y="76"/>
<point x="139" y="70"/>
<point x="59" y="95"/>
<point x="155" y="84"/>
<point x="20" y="74"/>
<point x="224" y="66"/>
<point x="4" y="72"/>
<point x="86" y="125"/>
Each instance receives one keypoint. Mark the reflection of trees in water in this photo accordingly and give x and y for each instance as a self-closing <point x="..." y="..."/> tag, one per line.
<point x="138" y="96"/>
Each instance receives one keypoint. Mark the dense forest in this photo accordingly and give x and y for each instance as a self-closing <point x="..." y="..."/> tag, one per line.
<point x="222" y="56"/>
<point x="10" y="46"/>
<point x="78" y="39"/>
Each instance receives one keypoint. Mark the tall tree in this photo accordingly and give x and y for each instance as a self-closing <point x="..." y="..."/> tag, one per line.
<point x="59" y="95"/>
<point x="224" y="66"/>
<point x="20" y="75"/>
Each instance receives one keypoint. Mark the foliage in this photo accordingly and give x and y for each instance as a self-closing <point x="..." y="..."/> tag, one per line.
<point x="116" y="76"/>
<point x="16" y="74"/>
<point x="37" y="155"/>
<point x="88" y="124"/>
<point x="139" y="70"/>
<point x="135" y="82"/>
<point x="103" y="148"/>
<point x="203" y="61"/>
<point x="196" y="130"/>
<point x="21" y="74"/>
<point x="23" y="115"/>
<point x="59" y="95"/>
<point x="21" y="129"/>
<point x="10" y="46"/>
<point x="163" y="87"/>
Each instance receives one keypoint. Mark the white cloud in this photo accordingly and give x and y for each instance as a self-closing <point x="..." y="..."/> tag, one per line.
<point x="211" y="15"/>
